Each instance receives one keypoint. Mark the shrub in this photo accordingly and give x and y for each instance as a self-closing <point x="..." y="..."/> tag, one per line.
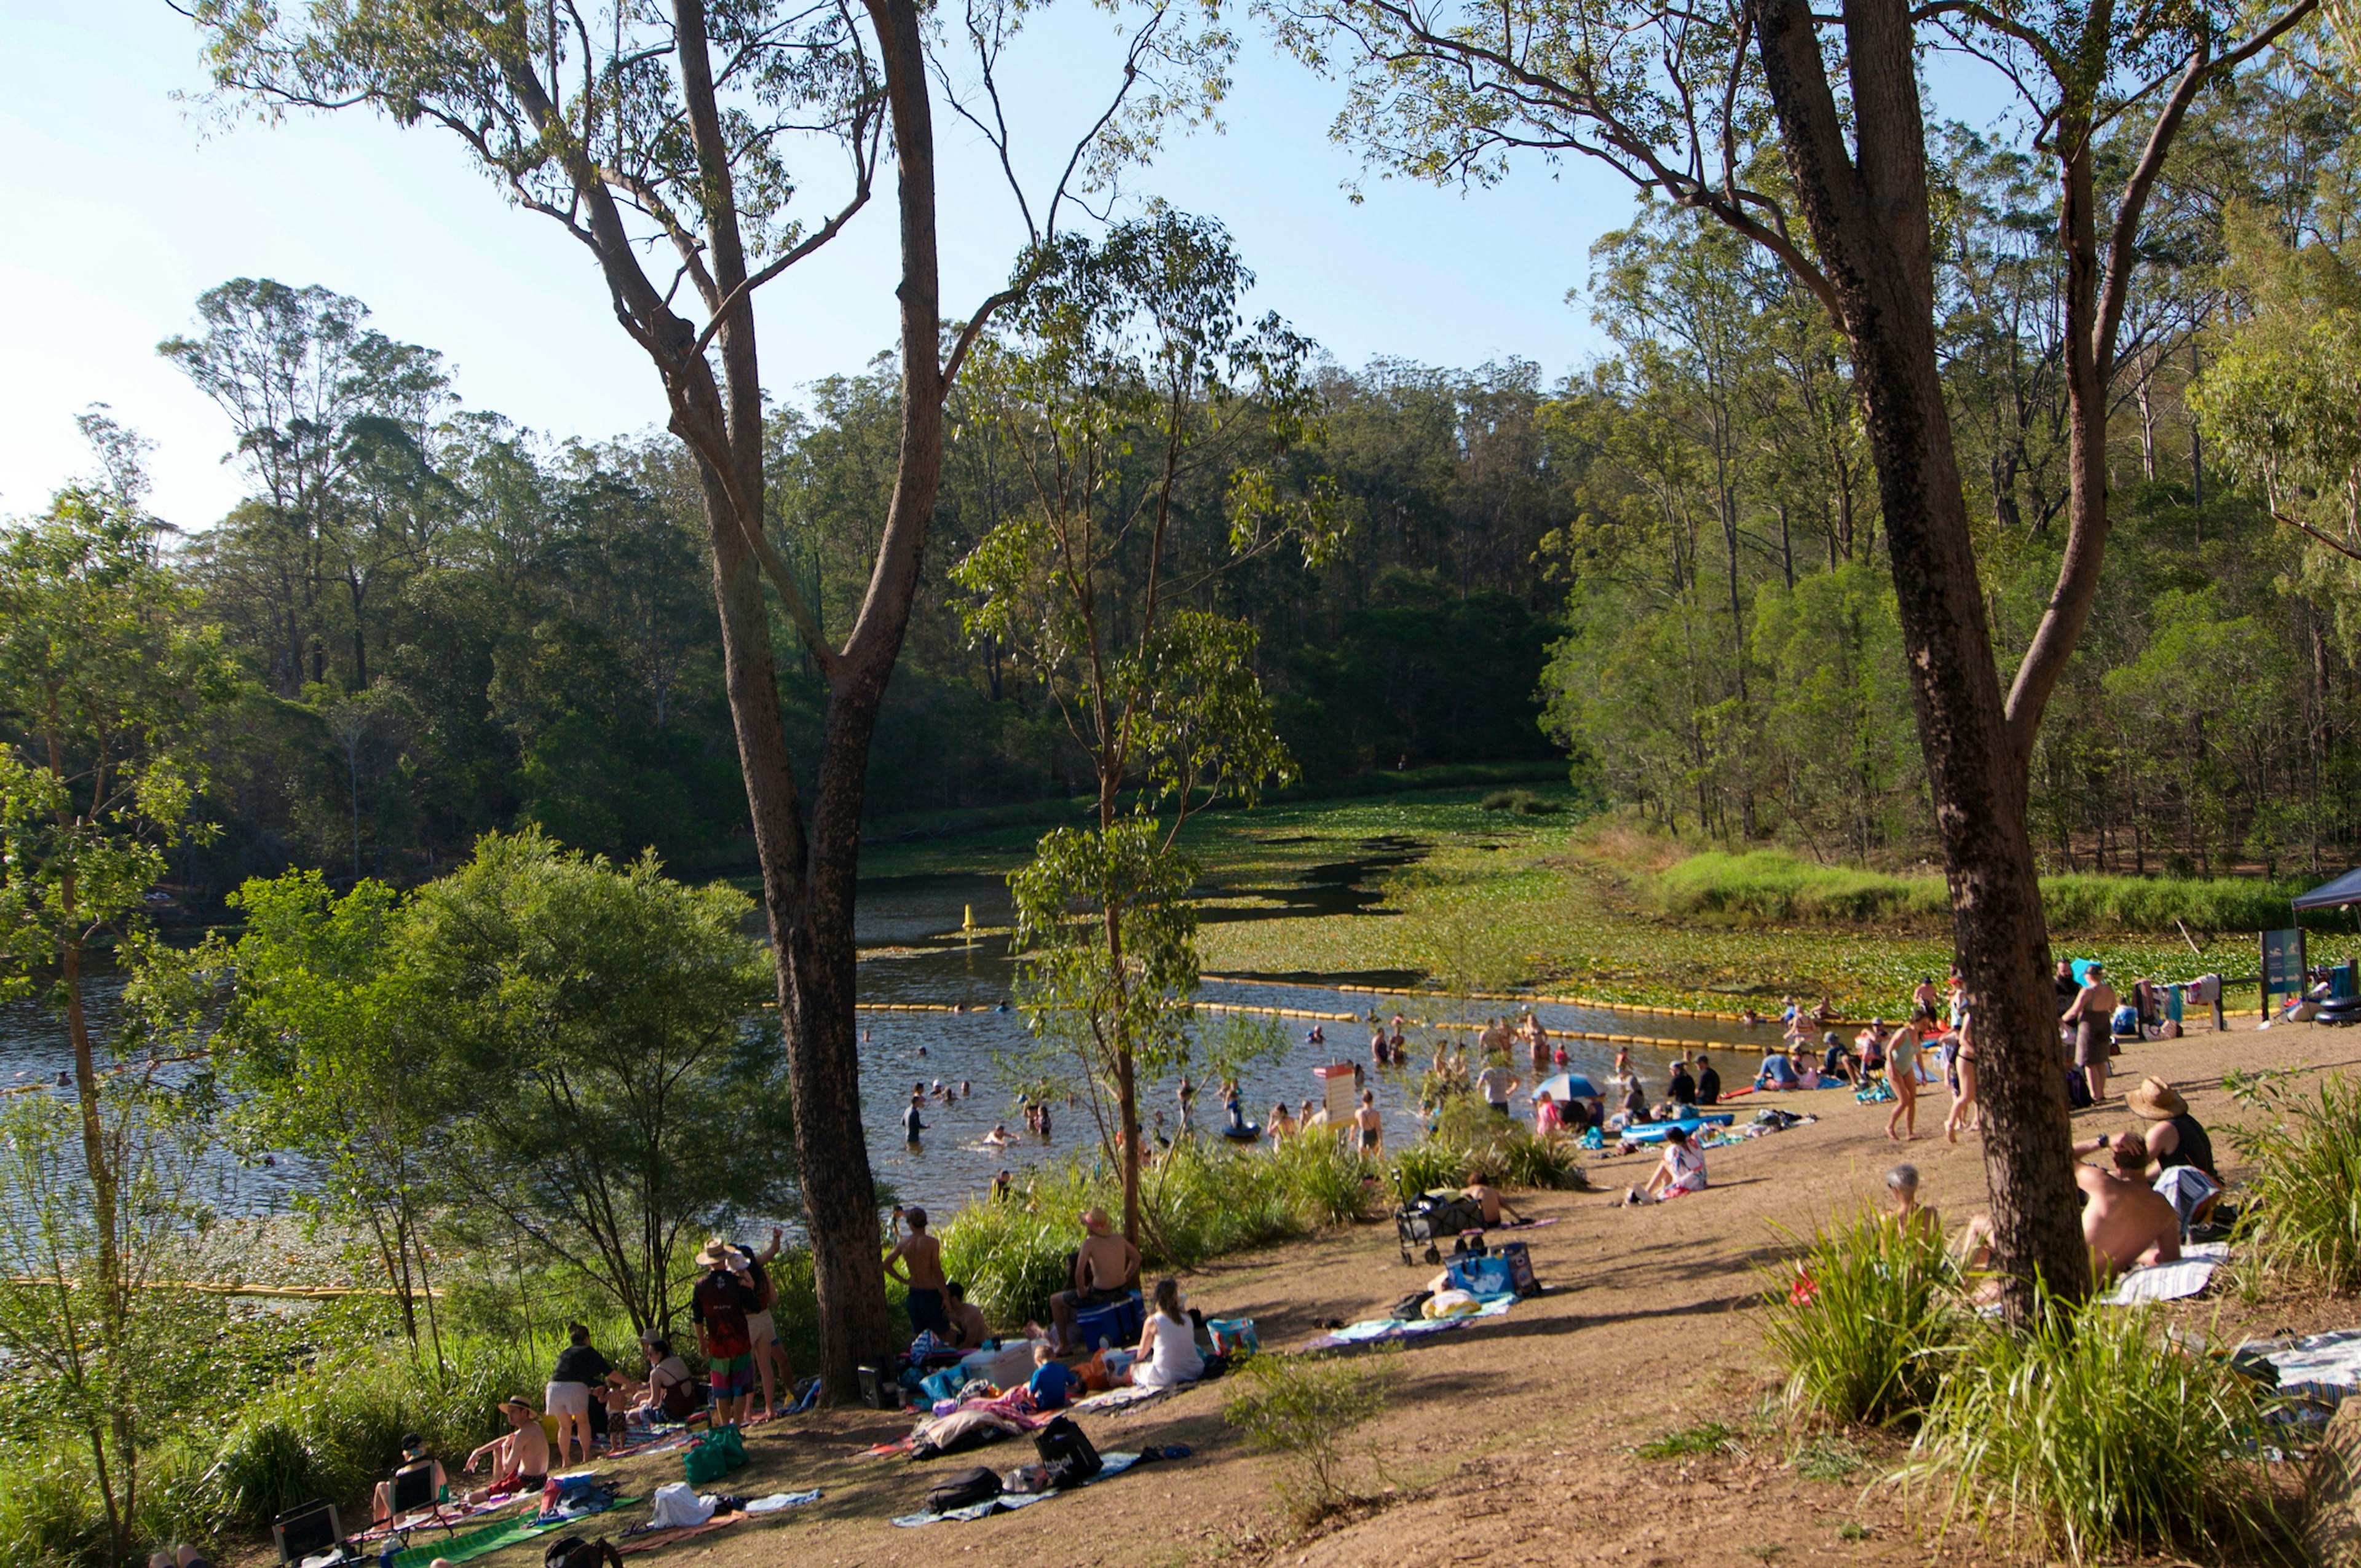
<point x="1303" y="1409"/>
<point x="1772" y="885"/>
<point x="1865" y="1322"/>
<point x="2091" y="1434"/>
<point x="1548" y="1164"/>
<point x="1196" y="1202"/>
<point x="1523" y="802"/>
<point x="2304" y="1194"/>
<point x="1428" y="1163"/>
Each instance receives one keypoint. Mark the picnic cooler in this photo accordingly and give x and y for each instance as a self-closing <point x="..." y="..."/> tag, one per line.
<point x="1117" y="1323"/>
<point x="1438" y="1215"/>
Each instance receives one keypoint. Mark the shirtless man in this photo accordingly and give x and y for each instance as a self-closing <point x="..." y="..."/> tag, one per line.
<point x="1105" y="1267"/>
<point x="1487" y="1196"/>
<point x="916" y="1261"/>
<point x="521" y="1460"/>
<point x="969" y="1331"/>
<point x="1369" y="1127"/>
<point x="2127" y="1222"/>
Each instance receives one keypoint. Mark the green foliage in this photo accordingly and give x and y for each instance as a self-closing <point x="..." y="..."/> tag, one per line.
<point x="1704" y="1441"/>
<point x="1424" y="1165"/>
<point x="2304" y="1207"/>
<point x="1774" y="886"/>
<point x="2092" y="1434"/>
<point x="1303" y="1409"/>
<point x="106" y="682"/>
<point x="597" y="1016"/>
<point x="1822" y="1457"/>
<point x="330" y="1429"/>
<point x="1197" y="1202"/>
<point x="1523" y="802"/>
<point x="1866" y="1323"/>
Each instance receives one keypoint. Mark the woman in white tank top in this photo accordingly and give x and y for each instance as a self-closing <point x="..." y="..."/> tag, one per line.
<point x="1167" y="1345"/>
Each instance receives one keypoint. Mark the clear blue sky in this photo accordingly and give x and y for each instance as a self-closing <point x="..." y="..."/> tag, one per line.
<point x="123" y="205"/>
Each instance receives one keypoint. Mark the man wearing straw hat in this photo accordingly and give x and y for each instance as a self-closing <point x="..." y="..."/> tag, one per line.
<point x="720" y="1306"/>
<point x="2180" y="1157"/>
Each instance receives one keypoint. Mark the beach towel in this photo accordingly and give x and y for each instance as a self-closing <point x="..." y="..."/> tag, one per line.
<point x="1110" y="1464"/>
<point x="2170" y="1281"/>
<point x="481" y="1542"/>
<point x="1377" y="1331"/>
<point x="1124" y="1398"/>
<point x="2322" y="1367"/>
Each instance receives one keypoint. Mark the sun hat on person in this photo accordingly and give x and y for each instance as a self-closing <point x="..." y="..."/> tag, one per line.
<point x="720" y="1253"/>
<point x="1095" y="1221"/>
<point x="2156" y="1100"/>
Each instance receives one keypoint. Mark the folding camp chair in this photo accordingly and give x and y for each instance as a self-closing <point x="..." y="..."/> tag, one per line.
<point x="414" y="1492"/>
<point x="306" y="1532"/>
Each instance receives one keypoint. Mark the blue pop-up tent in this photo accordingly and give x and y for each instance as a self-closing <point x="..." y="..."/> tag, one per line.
<point x="2335" y="894"/>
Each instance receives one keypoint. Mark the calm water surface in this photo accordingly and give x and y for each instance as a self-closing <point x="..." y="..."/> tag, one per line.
<point x="913" y="950"/>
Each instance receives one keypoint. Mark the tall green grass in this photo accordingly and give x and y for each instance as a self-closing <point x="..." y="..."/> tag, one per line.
<point x="2304" y="1196"/>
<point x="1196" y="1202"/>
<point x="1774" y="886"/>
<point x="1866" y="1322"/>
<point x="328" y="1430"/>
<point x="2090" y="1434"/>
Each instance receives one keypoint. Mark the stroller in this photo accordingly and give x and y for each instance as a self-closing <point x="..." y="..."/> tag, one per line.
<point x="1438" y="1214"/>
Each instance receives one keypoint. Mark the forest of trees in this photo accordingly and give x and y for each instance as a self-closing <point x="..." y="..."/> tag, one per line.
<point x="1670" y="565"/>
<point x="451" y="625"/>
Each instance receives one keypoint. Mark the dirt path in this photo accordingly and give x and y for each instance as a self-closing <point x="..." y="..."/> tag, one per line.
<point x="1510" y="1441"/>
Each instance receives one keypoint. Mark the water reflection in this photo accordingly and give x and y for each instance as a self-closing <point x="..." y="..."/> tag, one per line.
<point x="934" y="943"/>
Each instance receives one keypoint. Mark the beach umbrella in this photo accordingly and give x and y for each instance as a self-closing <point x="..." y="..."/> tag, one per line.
<point x="1567" y="1086"/>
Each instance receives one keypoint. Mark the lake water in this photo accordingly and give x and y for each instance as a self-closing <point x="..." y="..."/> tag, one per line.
<point x="915" y="951"/>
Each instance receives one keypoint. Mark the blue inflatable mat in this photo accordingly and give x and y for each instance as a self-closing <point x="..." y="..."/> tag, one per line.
<point x="1653" y="1133"/>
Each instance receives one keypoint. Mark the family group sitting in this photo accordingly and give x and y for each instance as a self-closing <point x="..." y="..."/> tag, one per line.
<point x="2151" y="1185"/>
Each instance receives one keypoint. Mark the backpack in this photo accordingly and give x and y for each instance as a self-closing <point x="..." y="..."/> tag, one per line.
<point x="573" y="1551"/>
<point x="964" y="1488"/>
<point x="1065" y="1450"/>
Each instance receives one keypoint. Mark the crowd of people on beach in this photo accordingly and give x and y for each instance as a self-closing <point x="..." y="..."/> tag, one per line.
<point x="2144" y="1190"/>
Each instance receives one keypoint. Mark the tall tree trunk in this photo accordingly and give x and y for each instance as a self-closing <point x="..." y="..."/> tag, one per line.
<point x="1871" y="223"/>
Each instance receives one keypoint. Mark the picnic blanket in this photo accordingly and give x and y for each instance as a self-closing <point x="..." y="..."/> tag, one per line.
<point x="1374" y="1330"/>
<point x="452" y="1513"/>
<point x="648" y="1541"/>
<point x="2325" y="1369"/>
<point x="1109" y="1465"/>
<point x="462" y="1546"/>
<point x="2170" y="1281"/>
<point x="1123" y="1398"/>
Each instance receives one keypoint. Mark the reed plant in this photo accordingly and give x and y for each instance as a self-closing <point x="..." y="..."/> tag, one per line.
<point x="1866" y="1322"/>
<point x="2303" y="1194"/>
<point x="2091" y="1434"/>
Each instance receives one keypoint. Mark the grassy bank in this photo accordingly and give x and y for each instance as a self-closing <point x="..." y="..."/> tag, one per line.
<point x="1772" y="886"/>
<point x="1490" y="899"/>
<point x="1200" y="1202"/>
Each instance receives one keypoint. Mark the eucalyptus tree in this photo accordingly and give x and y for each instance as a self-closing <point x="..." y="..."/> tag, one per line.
<point x="1124" y="381"/>
<point x="671" y="142"/>
<point x="1806" y="132"/>
<point x="329" y="416"/>
<point x="105" y="687"/>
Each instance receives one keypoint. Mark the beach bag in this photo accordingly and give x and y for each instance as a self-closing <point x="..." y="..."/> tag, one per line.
<point x="944" y="1384"/>
<point x="1231" y="1335"/>
<point x="1481" y="1276"/>
<point x="1066" y="1451"/>
<point x="964" y="1489"/>
<point x="717" y="1453"/>
<point x="1520" y="1261"/>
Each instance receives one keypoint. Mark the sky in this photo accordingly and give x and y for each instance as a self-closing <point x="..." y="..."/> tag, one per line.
<point x="125" y="198"/>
